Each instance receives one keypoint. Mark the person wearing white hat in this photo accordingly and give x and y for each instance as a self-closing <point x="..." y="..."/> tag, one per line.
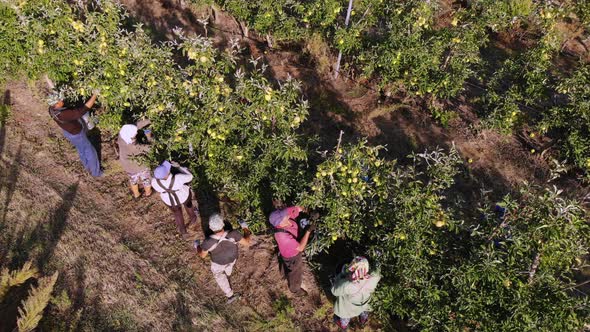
<point x="353" y="289"/>
<point x="223" y="247"/>
<point x="171" y="183"/>
<point x="75" y="129"/>
<point x="128" y="150"/>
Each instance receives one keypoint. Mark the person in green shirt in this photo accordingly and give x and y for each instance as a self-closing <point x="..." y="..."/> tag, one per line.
<point x="353" y="288"/>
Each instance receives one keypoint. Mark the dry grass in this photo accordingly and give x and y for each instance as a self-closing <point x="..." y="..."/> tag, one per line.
<point x="320" y="52"/>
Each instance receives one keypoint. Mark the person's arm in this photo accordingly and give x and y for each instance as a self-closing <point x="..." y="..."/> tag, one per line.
<point x="341" y="287"/>
<point x="303" y="242"/>
<point x="202" y="253"/>
<point x="374" y="280"/>
<point x="185" y="176"/>
<point x="143" y="123"/>
<point x="305" y="239"/>
<point x="76" y="113"/>
<point x="246" y="240"/>
<point x="91" y="101"/>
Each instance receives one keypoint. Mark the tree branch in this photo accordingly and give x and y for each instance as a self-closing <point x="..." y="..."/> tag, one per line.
<point x="534" y="267"/>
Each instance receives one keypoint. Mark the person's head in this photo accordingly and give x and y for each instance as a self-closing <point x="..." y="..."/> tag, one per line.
<point x="55" y="99"/>
<point x="128" y="133"/>
<point x="163" y="171"/>
<point x="358" y="269"/>
<point x="216" y="223"/>
<point x="279" y="218"/>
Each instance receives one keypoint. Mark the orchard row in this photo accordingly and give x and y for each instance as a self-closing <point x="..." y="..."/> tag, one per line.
<point x="511" y="50"/>
<point x="506" y="266"/>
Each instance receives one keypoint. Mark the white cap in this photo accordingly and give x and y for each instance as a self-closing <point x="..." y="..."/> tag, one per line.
<point x="128" y="132"/>
<point x="216" y="222"/>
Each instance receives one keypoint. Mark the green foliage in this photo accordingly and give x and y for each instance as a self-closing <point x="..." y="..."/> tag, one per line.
<point x="10" y="279"/>
<point x="11" y="49"/>
<point x="502" y="12"/>
<point x="582" y="11"/>
<point x="347" y="188"/>
<point x="284" y="19"/>
<point x="572" y="121"/>
<point x="32" y="308"/>
<point x="235" y="131"/>
<point x="359" y="194"/>
<point x="521" y="81"/>
<point x="442" y="272"/>
<point x="524" y="262"/>
<point x="282" y="321"/>
<point x="425" y="50"/>
<point x="244" y="132"/>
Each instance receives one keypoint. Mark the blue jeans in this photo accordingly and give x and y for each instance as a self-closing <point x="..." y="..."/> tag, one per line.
<point x="87" y="153"/>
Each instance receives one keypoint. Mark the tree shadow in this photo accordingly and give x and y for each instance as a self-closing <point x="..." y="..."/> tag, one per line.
<point x="328" y="263"/>
<point x="10" y="304"/>
<point x="78" y="289"/>
<point x="42" y="240"/>
<point x="87" y="310"/>
<point x="403" y="131"/>
<point x="99" y="317"/>
<point x="4" y="113"/>
<point x="45" y="235"/>
<point x="8" y="237"/>
<point x="161" y="17"/>
<point x="64" y="312"/>
<point x="207" y="202"/>
<point x="182" y="321"/>
<point x="329" y="113"/>
<point x="95" y="138"/>
<point x="8" y="184"/>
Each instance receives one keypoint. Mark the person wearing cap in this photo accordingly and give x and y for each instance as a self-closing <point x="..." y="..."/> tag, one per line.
<point x="223" y="247"/>
<point x="75" y="129"/>
<point x="353" y="288"/>
<point x="286" y="234"/>
<point x="128" y="149"/>
<point x="175" y="193"/>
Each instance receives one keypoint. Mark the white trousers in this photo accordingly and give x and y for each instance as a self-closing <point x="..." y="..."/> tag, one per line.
<point x="220" y="273"/>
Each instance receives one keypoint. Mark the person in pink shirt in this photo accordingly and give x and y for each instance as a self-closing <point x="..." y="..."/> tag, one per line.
<point x="286" y="234"/>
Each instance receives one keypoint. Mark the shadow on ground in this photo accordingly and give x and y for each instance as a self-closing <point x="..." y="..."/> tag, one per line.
<point x="43" y="239"/>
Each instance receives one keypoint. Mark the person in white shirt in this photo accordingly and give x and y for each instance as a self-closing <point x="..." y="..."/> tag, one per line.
<point x="175" y="193"/>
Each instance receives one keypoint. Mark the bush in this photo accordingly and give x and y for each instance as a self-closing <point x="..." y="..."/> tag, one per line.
<point x="572" y="121"/>
<point x="511" y="269"/>
<point x="201" y="113"/>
